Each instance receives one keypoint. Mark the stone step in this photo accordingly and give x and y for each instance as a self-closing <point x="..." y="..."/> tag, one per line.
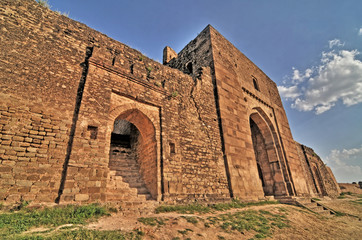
<point x="122" y="152"/>
<point x="139" y="204"/>
<point x="304" y="200"/>
<point x="142" y="190"/>
<point x="123" y="157"/>
<point x="127" y="172"/>
<point x="123" y="164"/>
<point x="147" y="196"/>
<point x="310" y="204"/>
<point x="123" y="191"/>
<point x="286" y="200"/>
<point x="126" y="186"/>
<point x="121" y="149"/>
<point x="317" y="209"/>
<point x="132" y="179"/>
<point x="136" y="184"/>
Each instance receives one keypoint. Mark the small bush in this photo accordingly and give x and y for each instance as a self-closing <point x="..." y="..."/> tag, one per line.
<point x="112" y="209"/>
<point x="43" y="3"/>
<point x="66" y="14"/>
<point x="174" y="94"/>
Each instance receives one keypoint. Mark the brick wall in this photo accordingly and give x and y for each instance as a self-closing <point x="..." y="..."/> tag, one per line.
<point x="58" y="79"/>
<point x="63" y="85"/>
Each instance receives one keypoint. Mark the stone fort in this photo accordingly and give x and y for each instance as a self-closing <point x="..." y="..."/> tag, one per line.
<point x="84" y="118"/>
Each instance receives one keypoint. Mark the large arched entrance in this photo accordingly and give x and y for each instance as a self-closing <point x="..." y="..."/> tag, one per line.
<point x="133" y="152"/>
<point x="267" y="159"/>
<point x="318" y="179"/>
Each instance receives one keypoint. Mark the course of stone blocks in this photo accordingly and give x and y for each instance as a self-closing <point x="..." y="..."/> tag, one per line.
<point x="85" y="118"/>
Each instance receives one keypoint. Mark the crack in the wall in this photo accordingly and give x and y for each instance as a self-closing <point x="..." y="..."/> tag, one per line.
<point x="198" y="111"/>
<point x="78" y="101"/>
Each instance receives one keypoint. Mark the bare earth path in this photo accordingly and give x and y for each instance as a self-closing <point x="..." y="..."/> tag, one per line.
<point x="303" y="224"/>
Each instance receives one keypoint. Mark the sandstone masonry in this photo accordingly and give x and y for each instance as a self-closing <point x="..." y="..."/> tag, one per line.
<point x="85" y="118"/>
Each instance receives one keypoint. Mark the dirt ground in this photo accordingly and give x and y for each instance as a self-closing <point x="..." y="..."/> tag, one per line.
<point x="303" y="224"/>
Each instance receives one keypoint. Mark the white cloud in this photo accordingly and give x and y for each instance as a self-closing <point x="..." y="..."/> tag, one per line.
<point x="335" y="42"/>
<point x="318" y="89"/>
<point x="340" y="163"/>
<point x="360" y="32"/>
<point x="289" y="92"/>
<point x="300" y="77"/>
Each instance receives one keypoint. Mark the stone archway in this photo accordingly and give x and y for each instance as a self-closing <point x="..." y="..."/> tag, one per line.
<point x="145" y="118"/>
<point x="267" y="158"/>
<point x="318" y="179"/>
<point x="133" y="151"/>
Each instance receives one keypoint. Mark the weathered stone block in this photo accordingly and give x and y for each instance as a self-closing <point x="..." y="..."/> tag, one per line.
<point x="24" y="183"/>
<point x="81" y="197"/>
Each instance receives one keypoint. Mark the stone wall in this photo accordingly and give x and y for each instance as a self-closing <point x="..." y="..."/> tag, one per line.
<point x="58" y="78"/>
<point x="243" y="91"/>
<point x="63" y="86"/>
<point x="319" y="176"/>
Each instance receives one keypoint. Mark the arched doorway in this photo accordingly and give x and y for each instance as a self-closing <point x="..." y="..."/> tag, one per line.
<point x="319" y="183"/>
<point x="133" y="152"/>
<point x="267" y="159"/>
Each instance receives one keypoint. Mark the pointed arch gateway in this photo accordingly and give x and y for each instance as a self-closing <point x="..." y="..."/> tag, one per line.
<point x="133" y="151"/>
<point x="320" y="186"/>
<point x="271" y="168"/>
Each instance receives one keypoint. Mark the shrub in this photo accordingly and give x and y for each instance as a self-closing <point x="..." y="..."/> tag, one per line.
<point x="43" y="3"/>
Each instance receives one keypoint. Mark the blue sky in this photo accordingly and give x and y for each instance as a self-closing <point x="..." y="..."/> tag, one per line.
<point x="312" y="49"/>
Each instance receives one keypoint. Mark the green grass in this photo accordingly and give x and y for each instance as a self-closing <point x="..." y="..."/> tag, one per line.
<point x="316" y="199"/>
<point x="152" y="221"/>
<point x="239" y="204"/>
<point x="358" y="201"/>
<point x="185" y="232"/>
<point x="191" y="219"/>
<point x="339" y="214"/>
<point x="84" y="234"/>
<point x="343" y="195"/>
<point x="23" y="220"/>
<point x="201" y="209"/>
<point x="189" y="208"/>
<point x="262" y="222"/>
